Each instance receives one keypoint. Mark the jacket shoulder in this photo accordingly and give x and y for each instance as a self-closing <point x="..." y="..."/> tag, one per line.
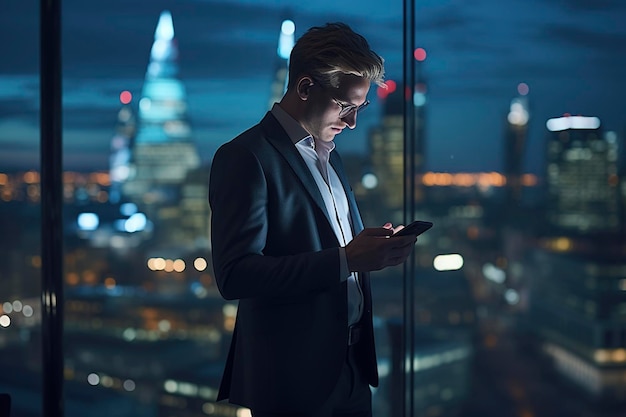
<point x="252" y="137"/>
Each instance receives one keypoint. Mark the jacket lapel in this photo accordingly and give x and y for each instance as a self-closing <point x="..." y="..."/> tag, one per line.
<point x="357" y="225"/>
<point x="355" y="216"/>
<point x="277" y="136"/>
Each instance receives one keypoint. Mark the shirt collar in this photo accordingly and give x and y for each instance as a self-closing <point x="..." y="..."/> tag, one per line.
<point x="295" y="131"/>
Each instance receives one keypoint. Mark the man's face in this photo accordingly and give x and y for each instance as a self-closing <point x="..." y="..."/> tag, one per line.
<point x="323" y="118"/>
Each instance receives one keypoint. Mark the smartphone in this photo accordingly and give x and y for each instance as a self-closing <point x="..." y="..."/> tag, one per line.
<point x="416" y="228"/>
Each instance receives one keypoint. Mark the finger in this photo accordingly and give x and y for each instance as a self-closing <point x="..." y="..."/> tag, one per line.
<point x="398" y="228"/>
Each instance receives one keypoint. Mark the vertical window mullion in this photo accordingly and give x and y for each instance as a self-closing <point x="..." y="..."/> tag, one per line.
<point x="51" y="207"/>
<point x="409" y="204"/>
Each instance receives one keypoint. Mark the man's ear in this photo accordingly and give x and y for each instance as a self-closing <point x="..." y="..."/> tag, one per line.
<point x="303" y="87"/>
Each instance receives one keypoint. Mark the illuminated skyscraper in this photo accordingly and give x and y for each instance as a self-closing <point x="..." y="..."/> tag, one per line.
<point x="387" y="140"/>
<point x="582" y="180"/>
<point x="577" y="288"/>
<point x="163" y="152"/>
<point x="286" y="40"/>
<point x="119" y="161"/>
<point x="387" y="148"/>
<point x="514" y="145"/>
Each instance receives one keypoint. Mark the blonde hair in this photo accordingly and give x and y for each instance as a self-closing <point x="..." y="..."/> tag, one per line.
<point x="327" y="52"/>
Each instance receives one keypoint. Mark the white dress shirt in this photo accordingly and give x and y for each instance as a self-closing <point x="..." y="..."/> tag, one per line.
<point x="316" y="155"/>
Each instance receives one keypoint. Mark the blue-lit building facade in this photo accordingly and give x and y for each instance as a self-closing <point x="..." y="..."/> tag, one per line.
<point x="163" y="152"/>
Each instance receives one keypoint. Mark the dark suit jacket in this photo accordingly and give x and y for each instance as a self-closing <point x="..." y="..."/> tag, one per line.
<point x="274" y="249"/>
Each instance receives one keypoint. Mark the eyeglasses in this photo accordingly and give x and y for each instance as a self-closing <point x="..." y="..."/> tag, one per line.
<point x="347" y="109"/>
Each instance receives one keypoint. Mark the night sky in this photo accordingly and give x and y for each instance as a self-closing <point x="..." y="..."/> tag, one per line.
<point x="571" y="53"/>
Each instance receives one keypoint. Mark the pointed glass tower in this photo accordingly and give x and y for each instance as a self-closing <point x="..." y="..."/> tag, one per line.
<point x="163" y="152"/>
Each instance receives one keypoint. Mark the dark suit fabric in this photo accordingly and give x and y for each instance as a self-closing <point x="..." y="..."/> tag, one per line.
<point x="275" y="251"/>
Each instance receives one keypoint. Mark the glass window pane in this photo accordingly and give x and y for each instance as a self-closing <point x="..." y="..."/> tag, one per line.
<point x="148" y="98"/>
<point x="522" y="180"/>
<point x="20" y="211"/>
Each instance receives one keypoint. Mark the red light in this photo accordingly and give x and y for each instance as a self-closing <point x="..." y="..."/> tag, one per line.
<point x="420" y="54"/>
<point x="125" y="97"/>
<point x="382" y="92"/>
<point x="523" y="89"/>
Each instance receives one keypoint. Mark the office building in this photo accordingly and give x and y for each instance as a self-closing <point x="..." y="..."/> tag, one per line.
<point x="387" y="141"/>
<point x="576" y="308"/>
<point x="582" y="179"/>
<point x="515" y="137"/>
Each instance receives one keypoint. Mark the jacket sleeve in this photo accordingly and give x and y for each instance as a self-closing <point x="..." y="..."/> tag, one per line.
<point x="239" y="228"/>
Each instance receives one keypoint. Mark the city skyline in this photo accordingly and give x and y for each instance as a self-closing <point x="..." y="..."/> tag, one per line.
<point x="477" y="55"/>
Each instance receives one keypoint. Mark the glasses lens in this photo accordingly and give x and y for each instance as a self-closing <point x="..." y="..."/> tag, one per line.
<point x="348" y="109"/>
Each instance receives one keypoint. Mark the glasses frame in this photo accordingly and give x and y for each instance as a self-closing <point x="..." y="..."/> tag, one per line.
<point x="347" y="109"/>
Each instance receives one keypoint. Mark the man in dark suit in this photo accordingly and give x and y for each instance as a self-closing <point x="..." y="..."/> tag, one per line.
<point x="289" y="244"/>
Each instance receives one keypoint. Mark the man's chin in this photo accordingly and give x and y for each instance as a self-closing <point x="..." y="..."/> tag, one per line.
<point x="331" y="136"/>
<point x="327" y="138"/>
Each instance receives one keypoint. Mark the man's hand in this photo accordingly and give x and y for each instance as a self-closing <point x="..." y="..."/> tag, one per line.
<point x="372" y="250"/>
